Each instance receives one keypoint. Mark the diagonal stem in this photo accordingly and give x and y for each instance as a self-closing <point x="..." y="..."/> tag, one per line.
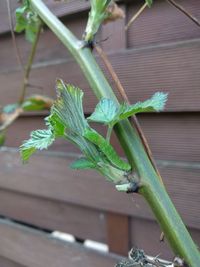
<point x="123" y="94"/>
<point x="184" y="11"/>
<point x="29" y="65"/>
<point x="15" y="46"/>
<point x="109" y="132"/>
<point x="135" y="16"/>
<point x="151" y="188"/>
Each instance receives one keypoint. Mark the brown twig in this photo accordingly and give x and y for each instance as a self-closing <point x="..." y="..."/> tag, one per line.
<point x="135" y="16"/>
<point x="29" y="65"/>
<point x="16" y="48"/>
<point x="123" y="94"/>
<point x="183" y="10"/>
<point x="8" y="119"/>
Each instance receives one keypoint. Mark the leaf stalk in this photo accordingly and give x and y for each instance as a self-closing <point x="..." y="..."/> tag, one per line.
<point x="29" y="65"/>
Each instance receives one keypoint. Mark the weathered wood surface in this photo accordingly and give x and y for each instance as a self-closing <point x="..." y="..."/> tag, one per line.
<point x="58" y="182"/>
<point x="49" y="47"/>
<point x="171" y="68"/>
<point x="59" y="8"/>
<point x="82" y="222"/>
<point x="118" y="233"/>
<point x="146" y="67"/>
<point x="162" y="24"/>
<point x="35" y="249"/>
<point x="86" y="223"/>
<point x="171" y="136"/>
<point x="8" y="263"/>
<point x="160" y="52"/>
<point x="146" y="234"/>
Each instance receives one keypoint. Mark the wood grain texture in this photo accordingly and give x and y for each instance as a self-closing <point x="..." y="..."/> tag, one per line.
<point x="58" y="182"/>
<point x="113" y="35"/>
<point x="7" y="263"/>
<point x="82" y="222"/>
<point x="145" y="234"/>
<point x="171" y="136"/>
<point x="49" y="48"/>
<point x="172" y="68"/>
<point x="118" y="233"/>
<point x="59" y="8"/>
<point x="147" y="59"/>
<point x="35" y="249"/>
<point x="162" y="23"/>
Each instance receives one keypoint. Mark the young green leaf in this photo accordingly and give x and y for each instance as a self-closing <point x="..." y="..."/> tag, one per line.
<point x="106" y="148"/>
<point x="149" y="2"/>
<point x="54" y="123"/>
<point x="68" y="107"/>
<point x="108" y="113"/>
<point x="97" y="15"/>
<point x="67" y="120"/>
<point x="2" y="138"/>
<point x="40" y="139"/>
<point x="26" y="153"/>
<point x="82" y="163"/>
<point x="20" y="19"/>
<point x="156" y="103"/>
<point x="105" y="111"/>
<point x="37" y="102"/>
<point x="27" y="20"/>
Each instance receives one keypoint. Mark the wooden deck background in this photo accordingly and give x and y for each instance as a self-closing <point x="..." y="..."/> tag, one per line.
<point x="160" y="52"/>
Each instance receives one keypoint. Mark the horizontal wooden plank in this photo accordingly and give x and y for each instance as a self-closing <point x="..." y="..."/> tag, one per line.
<point x="59" y="8"/>
<point x="54" y="215"/>
<point x="49" y="47"/>
<point x="33" y="248"/>
<point x="7" y="263"/>
<point x="171" y="136"/>
<point x="50" y="177"/>
<point x="118" y="233"/>
<point x="172" y="68"/>
<point x="145" y="234"/>
<point x="162" y="23"/>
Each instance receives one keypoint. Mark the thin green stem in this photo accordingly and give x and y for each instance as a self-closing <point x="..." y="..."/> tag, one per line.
<point x="109" y="132"/>
<point x="15" y="46"/>
<point x="152" y="189"/>
<point x="29" y="65"/>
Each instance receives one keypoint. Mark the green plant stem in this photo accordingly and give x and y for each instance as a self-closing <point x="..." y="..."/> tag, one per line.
<point x="152" y="190"/>
<point x="109" y="132"/>
<point x="15" y="46"/>
<point x="29" y="65"/>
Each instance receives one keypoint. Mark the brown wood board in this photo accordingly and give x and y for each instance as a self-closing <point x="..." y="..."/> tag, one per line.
<point x="7" y="263"/>
<point x="35" y="249"/>
<point x="162" y="23"/>
<point x="49" y="47"/>
<point x="59" y="8"/>
<point x="145" y="234"/>
<point x="82" y="222"/>
<point x="171" y="68"/>
<point x="118" y="233"/>
<point x="171" y="136"/>
<point x="50" y="177"/>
